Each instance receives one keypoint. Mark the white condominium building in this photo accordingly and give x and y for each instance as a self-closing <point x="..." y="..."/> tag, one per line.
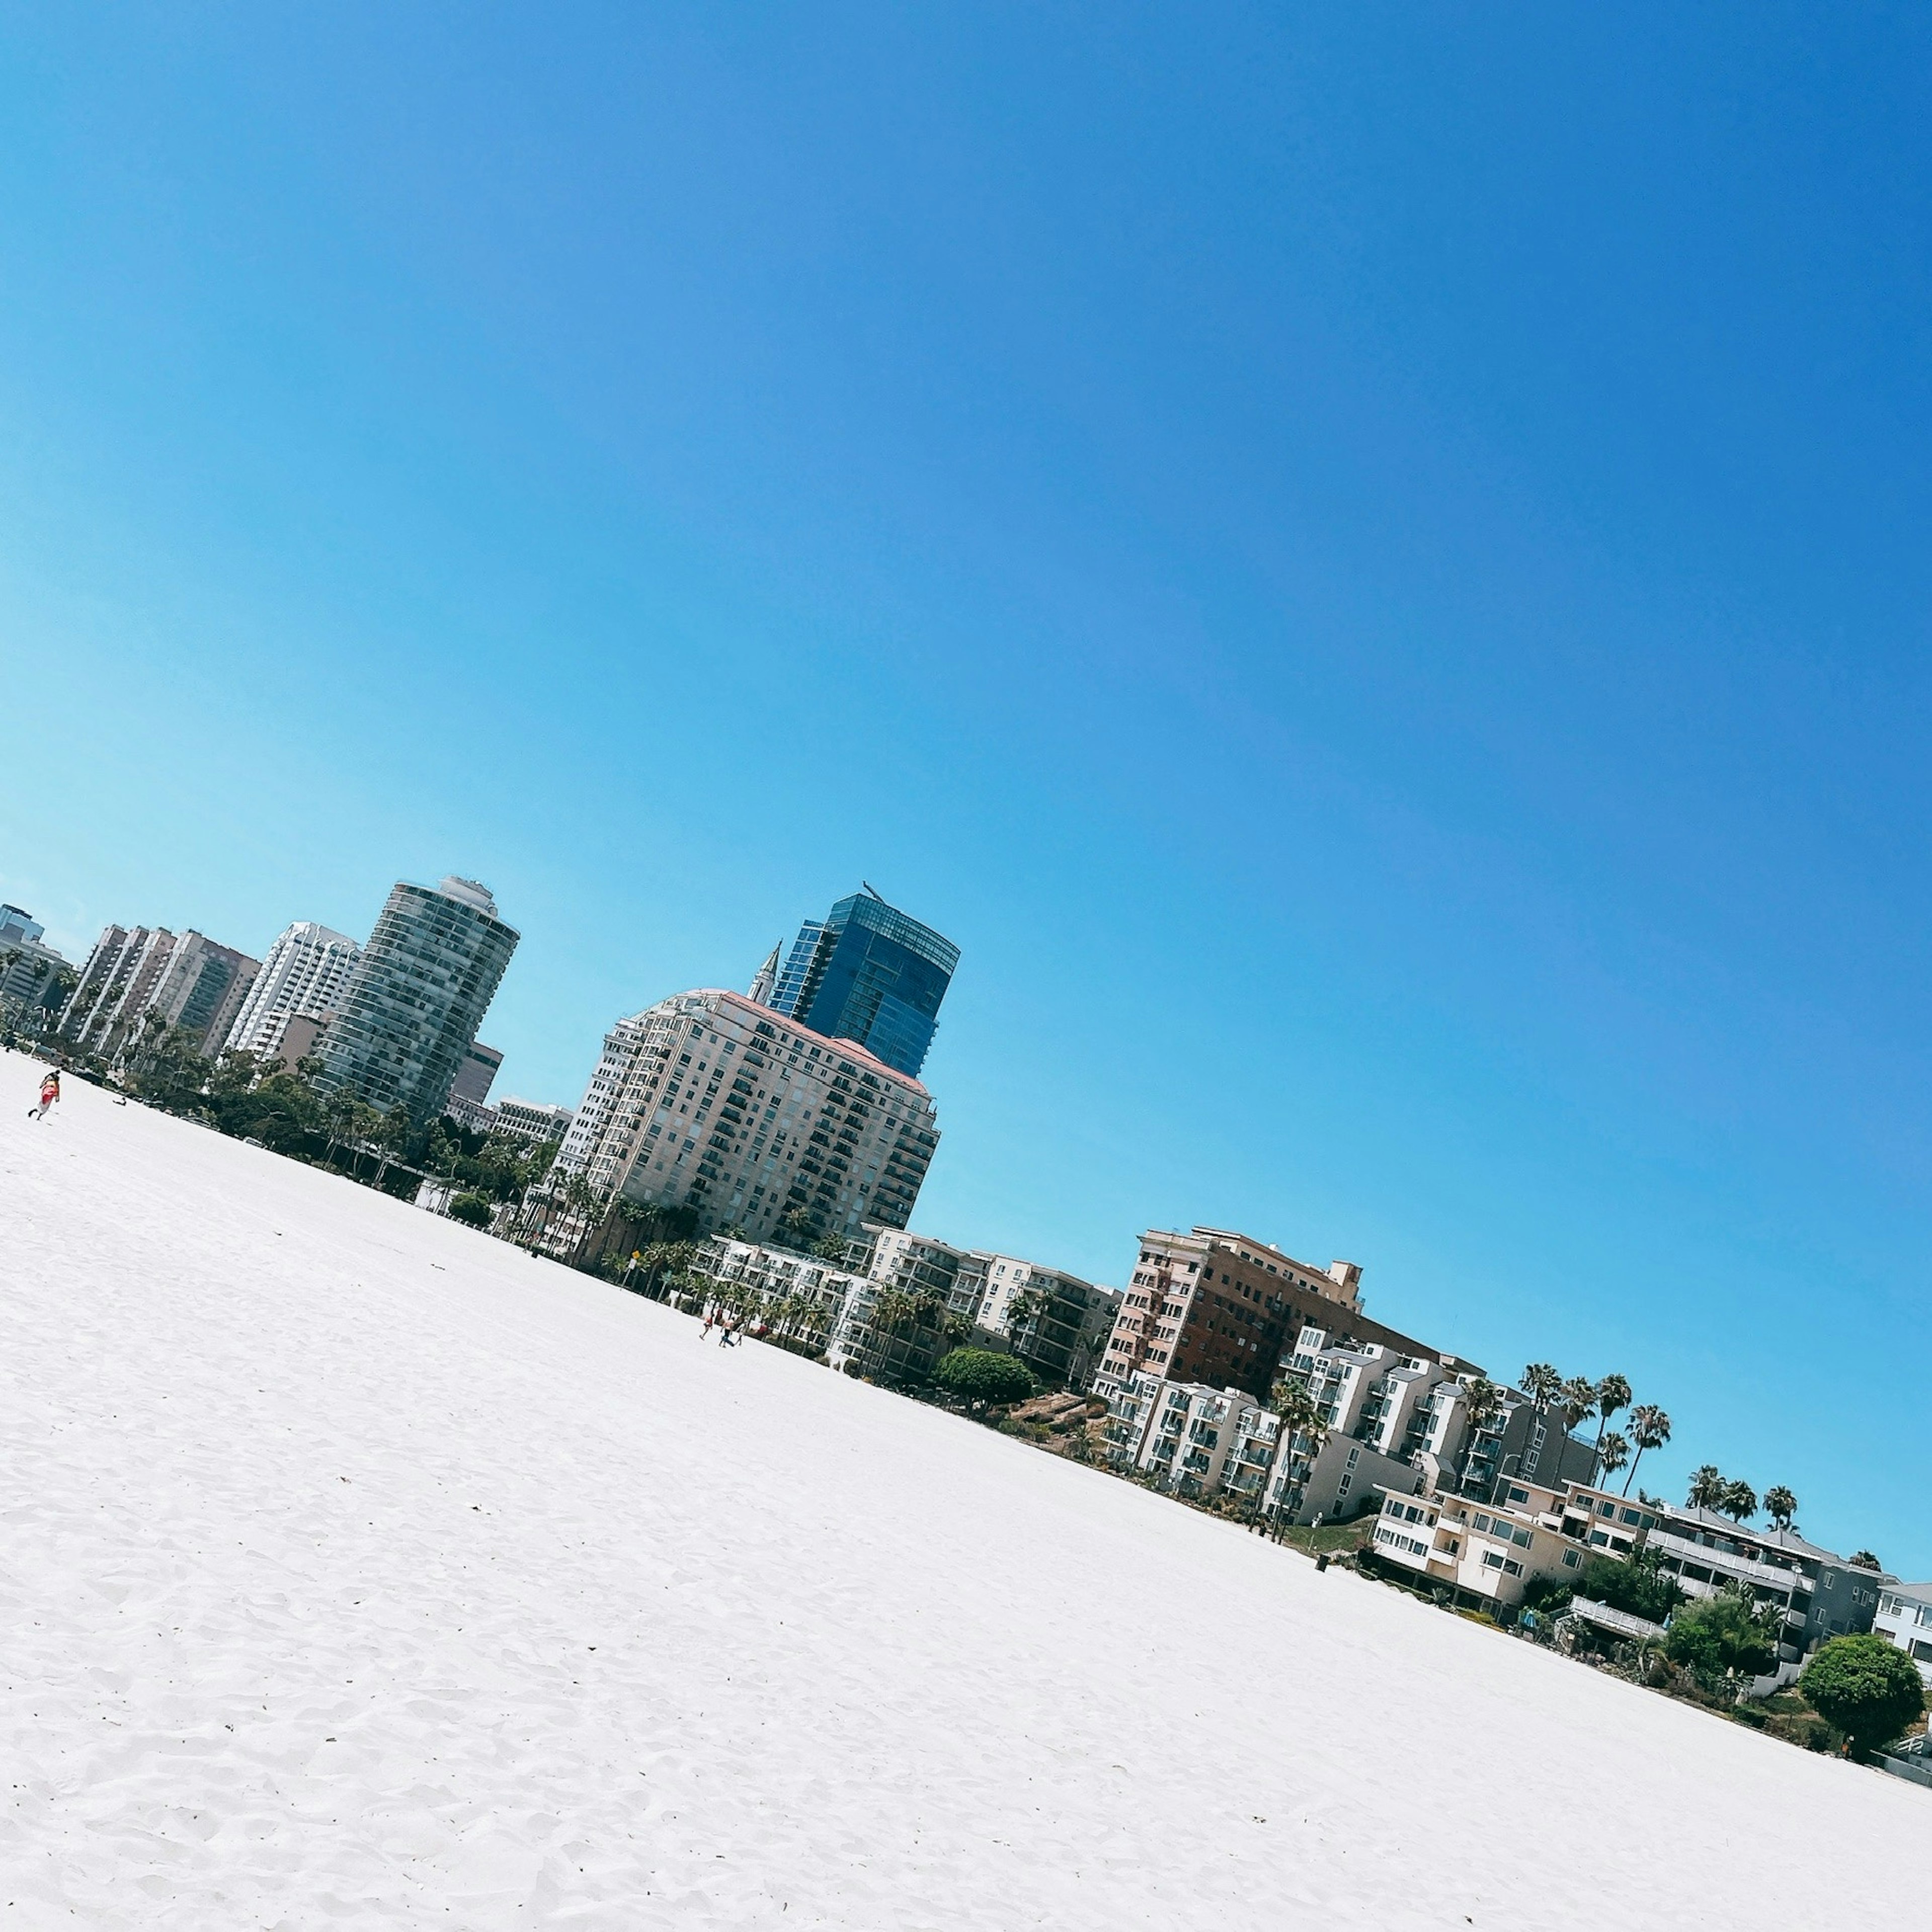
<point x="708" y="1101"/>
<point x="302" y="977"/>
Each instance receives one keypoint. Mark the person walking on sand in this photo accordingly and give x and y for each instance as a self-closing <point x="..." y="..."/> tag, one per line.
<point x="704" y="1333"/>
<point x="50" y="1093"/>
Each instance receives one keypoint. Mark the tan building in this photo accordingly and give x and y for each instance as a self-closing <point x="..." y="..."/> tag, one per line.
<point x="1221" y="1308"/>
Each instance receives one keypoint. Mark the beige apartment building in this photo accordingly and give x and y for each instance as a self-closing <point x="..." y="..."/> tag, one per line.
<point x="709" y="1102"/>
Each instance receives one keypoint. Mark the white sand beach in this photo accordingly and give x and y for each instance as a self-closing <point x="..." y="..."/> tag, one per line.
<point x="360" y="1570"/>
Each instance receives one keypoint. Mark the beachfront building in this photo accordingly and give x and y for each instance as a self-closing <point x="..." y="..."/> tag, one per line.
<point x="416" y="996"/>
<point x="1490" y="1552"/>
<point x="803" y="1296"/>
<point x="1219" y="1308"/>
<point x="868" y="973"/>
<point x="302" y="978"/>
<point x="1819" y="1594"/>
<point x="1053" y="1321"/>
<point x="709" y="1102"/>
<point x="137" y="973"/>
<point x="1904" y="1618"/>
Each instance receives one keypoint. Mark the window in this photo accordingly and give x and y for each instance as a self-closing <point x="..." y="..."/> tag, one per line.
<point x="1572" y="1559"/>
<point x="1516" y="1495"/>
<point x="1492" y="1559"/>
<point x="1513" y="1569"/>
<point x="1629" y="1516"/>
<point x="1597" y="1536"/>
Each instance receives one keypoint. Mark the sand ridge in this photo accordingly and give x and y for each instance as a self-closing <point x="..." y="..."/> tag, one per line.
<point x="358" y="1570"/>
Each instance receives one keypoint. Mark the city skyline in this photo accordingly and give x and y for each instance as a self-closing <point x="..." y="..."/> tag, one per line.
<point x="1368" y="575"/>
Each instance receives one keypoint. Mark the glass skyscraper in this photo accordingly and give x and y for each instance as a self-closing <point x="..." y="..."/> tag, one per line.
<point x="867" y="973"/>
<point x="415" y="997"/>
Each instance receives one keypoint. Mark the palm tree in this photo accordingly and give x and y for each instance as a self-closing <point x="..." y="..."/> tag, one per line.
<point x="1023" y="1313"/>
<point x="1612" y="1453"/>
<point x="1301" y="1416"/>
<point x="1650" y="1429"/>
<point x="1613" y="1393"/>
<point x="1482" y="1403"/>
<point x="1577" y="1403"/>
<point x="1707" y="1488"/>
<point x="1780" y="1505"/>
<point x="1544" y="1387"/>
<point x="1740" y="1500"/>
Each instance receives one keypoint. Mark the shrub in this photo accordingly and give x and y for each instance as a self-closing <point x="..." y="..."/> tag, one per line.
<point x="1723" y="1634"/>
<point x="1866" y="1687"/>
<point x="471" y="1209"/>
<point x="978" y="1375"/>
<point x="1638" y="1584"/>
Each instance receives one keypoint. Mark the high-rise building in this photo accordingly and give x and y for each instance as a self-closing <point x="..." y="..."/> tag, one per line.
<point x="202" y="987"/>
<point x="302" y="978"/>
<point x="410" y="1010"/>
<point x="708" y="1101"/>
<point x="135" y="972"/>
<point x="865" y="973"/>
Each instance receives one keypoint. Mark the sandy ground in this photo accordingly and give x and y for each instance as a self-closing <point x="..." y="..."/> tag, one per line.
<point x="358" y="1570"/>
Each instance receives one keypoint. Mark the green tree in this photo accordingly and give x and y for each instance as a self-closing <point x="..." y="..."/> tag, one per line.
<point x="1707" y="1488"/>
<point x="1864" y="1559"/>
<point x="1869" y="1688"/>
<point x="832" y="1248"/>
<point x="1780" y="1505"/>
<point x="1650" y="1429"/>
<point x="1723" y="1635"/>
<point x="471" y="1209"/>
<point x="978" y="1375"/>
<point x="1638" y="1583"/>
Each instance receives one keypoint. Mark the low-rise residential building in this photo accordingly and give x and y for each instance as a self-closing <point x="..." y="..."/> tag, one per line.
<point x="1053" y="1321"/>
<point x="805" y="1296"/>
<point x="1330" y="1480"/>
<point x="1904" y="1618"/>
<point x="30" y="969"/>
<point x="1490" y="1552"/>
<point x="1818" y="1593"/>
<point x="531" y="1123"/>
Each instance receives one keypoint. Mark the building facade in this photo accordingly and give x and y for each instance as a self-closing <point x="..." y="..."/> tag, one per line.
<point x="184" y="979"/>
<point x="477" y="1074"/>
<point x="1220" y="1308"/>
<point x="415" y="997"/>
<point x="1904" y="1618"/>
<point x="303" y="978"/>
<point x="530" y="1123"/>
<point x="709" y="1103"/>
<point x="202" y="987"/>
<point x="868" y="972"/>
<point x="30" y="969"/>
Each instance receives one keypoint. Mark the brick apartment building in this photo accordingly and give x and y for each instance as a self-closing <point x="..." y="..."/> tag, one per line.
<point x="1219" y="1308"/>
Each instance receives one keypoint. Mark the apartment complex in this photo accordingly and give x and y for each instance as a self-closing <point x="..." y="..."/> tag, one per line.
<point x="1904" y="1618"/>
<point x="302" y="978"/>
<point x="1819" y="1594"/>
<point x="867" y="972"/>
<point x="530" y="1123"/>
<point x="134" y="972"/>
<point x="477" y="1074"/>
<point x="415" y="998"/>
<point x="1221" y="1309"/>
<point x="709" y="1102"/>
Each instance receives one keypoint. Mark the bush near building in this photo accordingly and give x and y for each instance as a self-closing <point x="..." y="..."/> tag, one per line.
<point x="1867" y="1686"/>
<point x="471" y="1209"/>
<point x="978" y="1375"/>
<point x="1724" y="1637"/>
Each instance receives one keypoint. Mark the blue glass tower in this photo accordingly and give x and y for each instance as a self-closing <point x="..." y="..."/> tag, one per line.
<point x="868" y="973"/>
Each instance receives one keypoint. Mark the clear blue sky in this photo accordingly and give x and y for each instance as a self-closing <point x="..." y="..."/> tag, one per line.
<point x="1369" y="565"/>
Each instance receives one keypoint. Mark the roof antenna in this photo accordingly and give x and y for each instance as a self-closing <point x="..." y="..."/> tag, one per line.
<point x="874" y="890"/>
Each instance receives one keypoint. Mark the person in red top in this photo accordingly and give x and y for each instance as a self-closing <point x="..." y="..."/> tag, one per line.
<point x="50" y="1093"/>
